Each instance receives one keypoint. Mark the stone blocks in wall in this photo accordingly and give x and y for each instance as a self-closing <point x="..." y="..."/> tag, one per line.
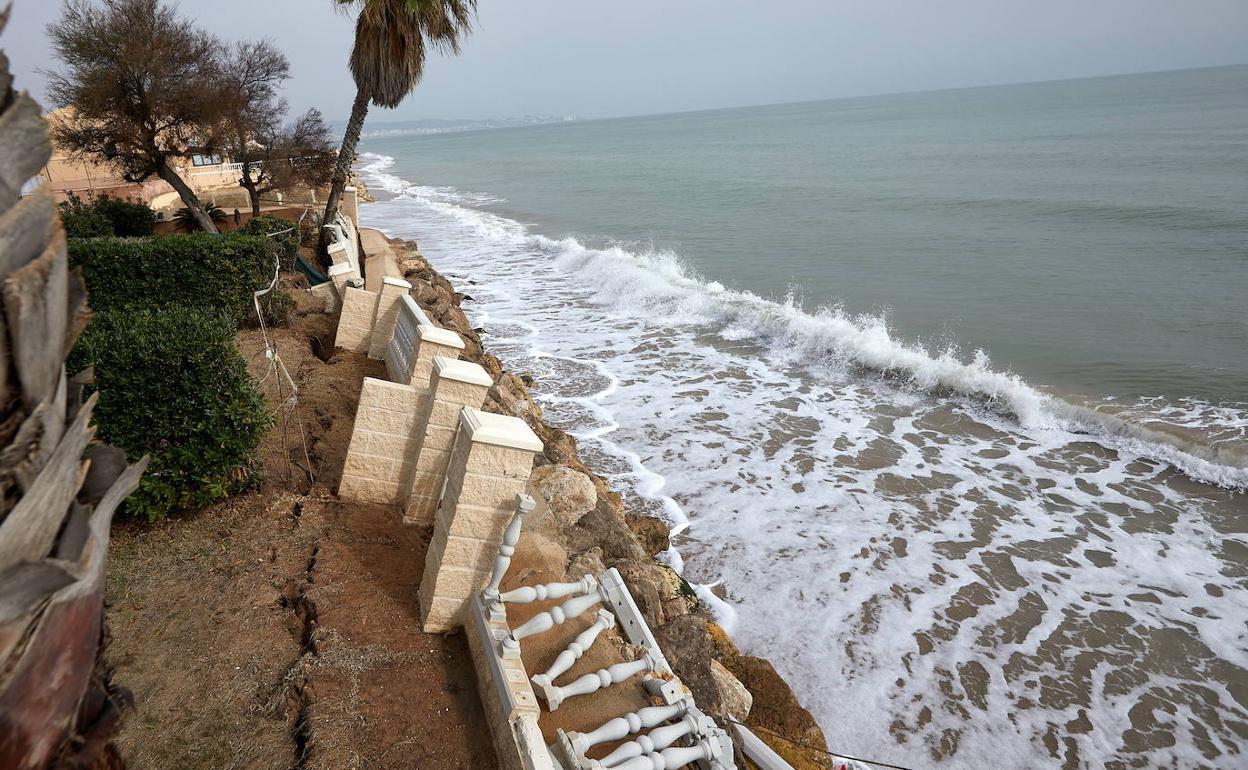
<point x="433" y="343"/>
<point x="355" y="323"/>
<point x="383" y="449"/>
<point x="454" y="385"/>
<point x="489" y="465"/>
<point x="389" y="300"/>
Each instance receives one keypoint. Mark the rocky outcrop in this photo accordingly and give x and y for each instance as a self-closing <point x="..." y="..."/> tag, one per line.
<point x="591" y="530"/>
<point x="569" y="493"/>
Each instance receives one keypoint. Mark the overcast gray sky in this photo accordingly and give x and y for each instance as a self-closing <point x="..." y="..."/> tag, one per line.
<point x="595" y="58"/>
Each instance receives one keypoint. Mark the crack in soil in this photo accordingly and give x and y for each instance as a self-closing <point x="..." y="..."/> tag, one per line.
<point x="302" y="625"/>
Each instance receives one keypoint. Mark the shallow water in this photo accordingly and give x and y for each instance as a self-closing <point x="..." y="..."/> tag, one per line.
<point x="952" y="564"/>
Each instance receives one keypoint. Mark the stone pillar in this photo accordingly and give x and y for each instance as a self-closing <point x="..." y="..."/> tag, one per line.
<point x="489" y="465"/>
<point x="385" y="314"/>
<point x="355" y="323"/>
<point x="433" y="343"/>
<point x="454" y="385"/>
<point x="350" y="205"/>
<point x="384" y="442"/>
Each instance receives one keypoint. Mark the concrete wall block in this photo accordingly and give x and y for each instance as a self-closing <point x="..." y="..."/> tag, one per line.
<point x="500" y="461"/>
<point x="386" y="421"/>
<point x="394" y="396"/>
<point x="459" y="393"/>
<point x="367" y="490"/>
<point x="445" y="414"/>
<point x="475" y="522"/>
<point x="459" y="582"/>
<point x="490" y="491"/>
<point x="371" y="467"/>
<point x="439" y="440"/>
<point x="442" y="614"/>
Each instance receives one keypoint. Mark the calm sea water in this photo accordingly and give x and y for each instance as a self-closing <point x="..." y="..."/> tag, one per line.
<point x="945" y="393"/>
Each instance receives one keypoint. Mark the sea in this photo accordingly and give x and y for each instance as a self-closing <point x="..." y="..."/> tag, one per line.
<point x="944" y="395"/>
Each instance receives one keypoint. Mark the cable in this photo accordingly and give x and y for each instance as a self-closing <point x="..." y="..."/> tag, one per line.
<point x="817" y="749"/>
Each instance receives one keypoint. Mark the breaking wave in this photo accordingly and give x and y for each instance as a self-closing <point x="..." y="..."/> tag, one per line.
<point x="659" y="285"/>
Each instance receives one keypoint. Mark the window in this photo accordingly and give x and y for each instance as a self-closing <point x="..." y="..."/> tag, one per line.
<point x="206" y="160"/>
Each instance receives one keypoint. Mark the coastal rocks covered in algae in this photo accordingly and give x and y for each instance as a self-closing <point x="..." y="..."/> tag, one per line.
<point x="588" y="537"/>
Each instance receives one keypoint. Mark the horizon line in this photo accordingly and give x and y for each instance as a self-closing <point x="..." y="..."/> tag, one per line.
<point x="815" y="100"/>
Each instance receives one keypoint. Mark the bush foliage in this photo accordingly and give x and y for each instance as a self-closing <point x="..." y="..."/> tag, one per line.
<point x="287" y="241"/>
<point x="105" y="216"/>
<point x="200" y="270"/>
<point x="172" y="383"/>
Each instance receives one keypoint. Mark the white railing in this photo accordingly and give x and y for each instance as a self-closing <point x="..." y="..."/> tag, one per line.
<point x="679" y="735"/>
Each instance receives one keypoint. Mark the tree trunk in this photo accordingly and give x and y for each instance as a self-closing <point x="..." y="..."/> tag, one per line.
<point x="188" y="197"/>
<point x="253" y="191"/>
<point x="346" y="158"/>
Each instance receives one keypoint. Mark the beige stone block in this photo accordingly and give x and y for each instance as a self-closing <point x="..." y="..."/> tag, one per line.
<point x="469" y="552"/>
<point x="438" y="439"/>
<point x="460" y="582"/>
<point x="474" y="522"/>
<point x="445" y="414"/>
<point x="420" y="510"/>
<point x="394" y="396"/>
<point x="385" y="421"/>
<point x="387" y="445"/>
<point x="367" y="490"/>
<point x="426" y="484"/>
<point x="459" y="393"/>
<point x="442" y="614"/>
<point x="370" y="467"/>
<point x="489" y="491"/>
<point x="500" y="461"/>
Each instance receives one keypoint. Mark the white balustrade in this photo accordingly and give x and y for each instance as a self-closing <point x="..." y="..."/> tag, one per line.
<point x="657" y="740"/>
<point x="555" y="696"/>
<point x="575" y="650"/>
<point x="629" y="724"/>
<point x="670" y="759"/>
<point x="530" y="594"/>
<point x="557" y="616"/>
<point x="506" y="549"/>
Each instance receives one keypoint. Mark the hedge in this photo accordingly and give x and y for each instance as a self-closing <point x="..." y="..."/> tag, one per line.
<point x="288" y="241"/>
<point x="172" y="383"/>
<point x="105" y="216"/>
<point x="200" y="270"/>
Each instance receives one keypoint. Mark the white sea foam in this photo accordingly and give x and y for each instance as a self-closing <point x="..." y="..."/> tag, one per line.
<point x="943" y="560"/>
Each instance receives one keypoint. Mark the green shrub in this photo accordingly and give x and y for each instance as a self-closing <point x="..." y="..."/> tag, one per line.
<point x="83" y="220"/>
<point x="129" y="219"/>
<point x="287" y="242"/>
<point x="105" y="216"/>
<point x="172" y="384"/>
<point x="200" y="270"/>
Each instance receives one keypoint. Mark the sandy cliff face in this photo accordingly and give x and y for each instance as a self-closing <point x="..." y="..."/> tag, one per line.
<point x="588" y="523"/>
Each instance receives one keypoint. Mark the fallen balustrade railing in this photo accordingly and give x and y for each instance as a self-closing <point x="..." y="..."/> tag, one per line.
<point x="679" y="734"/>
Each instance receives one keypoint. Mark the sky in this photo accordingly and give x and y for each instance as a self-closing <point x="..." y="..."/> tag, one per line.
<point x="596" y="58"/>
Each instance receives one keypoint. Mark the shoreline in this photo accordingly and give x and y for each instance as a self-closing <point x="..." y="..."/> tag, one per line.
<point x="608" y="535"/>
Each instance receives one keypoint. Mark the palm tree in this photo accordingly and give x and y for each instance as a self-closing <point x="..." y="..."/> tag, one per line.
<point x="387" y="62"/>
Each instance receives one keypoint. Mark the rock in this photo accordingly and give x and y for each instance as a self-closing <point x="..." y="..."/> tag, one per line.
<point x="570" y="494"/>
<point x="603" y="528"/>
<point x="777" y="712"/>
<point x="538" y="559"/>
<point x="686" y="642"/>
<point x="560" y="447"/>
<point x="651" y="533"/>
<point x="586" y="563"/>
<point x="513" y="398"/>
<point x="735" y="701"/>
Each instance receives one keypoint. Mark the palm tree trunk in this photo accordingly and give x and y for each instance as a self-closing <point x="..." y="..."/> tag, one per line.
<point x="346" y="158"/>
<point x="193" y="204"/>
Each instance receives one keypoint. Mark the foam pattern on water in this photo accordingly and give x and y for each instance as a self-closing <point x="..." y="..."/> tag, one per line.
<point x="949" y="568"/>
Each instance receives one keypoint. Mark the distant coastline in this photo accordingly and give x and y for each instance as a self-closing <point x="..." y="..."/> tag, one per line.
<point x="400" y="128"/>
